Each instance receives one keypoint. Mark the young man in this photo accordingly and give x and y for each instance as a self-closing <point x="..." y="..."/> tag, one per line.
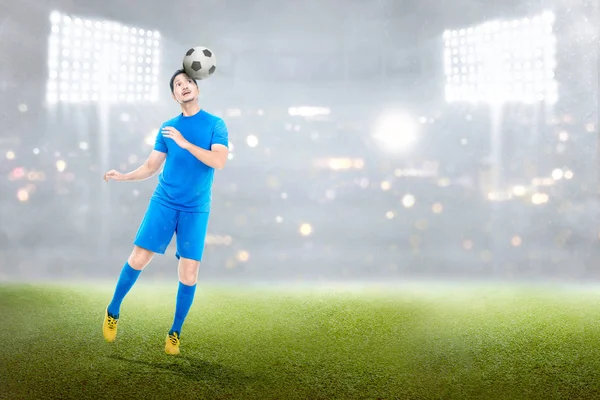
<point x="192" y="145"/>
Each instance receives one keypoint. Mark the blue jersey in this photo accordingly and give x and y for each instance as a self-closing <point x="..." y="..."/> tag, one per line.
<point x="185" y="183"/>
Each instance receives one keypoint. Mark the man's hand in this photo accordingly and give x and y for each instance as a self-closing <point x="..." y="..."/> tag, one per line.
<point x="114" y="175"/>
<point x="172" y="133"/>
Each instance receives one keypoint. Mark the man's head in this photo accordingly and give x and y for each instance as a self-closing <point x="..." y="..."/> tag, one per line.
<point x="183" y="88"/>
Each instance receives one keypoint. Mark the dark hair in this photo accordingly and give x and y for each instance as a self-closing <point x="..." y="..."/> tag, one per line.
<point x="175" y="75"/>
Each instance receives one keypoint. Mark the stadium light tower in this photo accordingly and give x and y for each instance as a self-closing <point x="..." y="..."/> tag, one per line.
<point x="501" y="62"/>
<point x="103" y="63"/>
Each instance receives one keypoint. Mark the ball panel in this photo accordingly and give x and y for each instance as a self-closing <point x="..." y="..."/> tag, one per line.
<point x="190" y="52"/>
<point x="196" y="66"/>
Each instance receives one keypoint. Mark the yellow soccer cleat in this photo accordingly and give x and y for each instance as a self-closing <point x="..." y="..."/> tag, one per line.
<point x="109" y="327"/>
<point x="172" y="343"/>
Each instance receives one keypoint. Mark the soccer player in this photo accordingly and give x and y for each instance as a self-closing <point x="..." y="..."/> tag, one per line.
<point x="191" y="145"/>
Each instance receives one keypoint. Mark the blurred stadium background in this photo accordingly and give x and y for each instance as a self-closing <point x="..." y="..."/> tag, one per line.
<point x="372" y="140"/>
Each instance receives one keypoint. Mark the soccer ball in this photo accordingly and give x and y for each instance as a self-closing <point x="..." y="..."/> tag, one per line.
<point x="199" y="63"/>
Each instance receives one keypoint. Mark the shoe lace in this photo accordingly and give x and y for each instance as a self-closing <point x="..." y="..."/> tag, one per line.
<point x="112" y="323"/>
<point x="174" y="339"/>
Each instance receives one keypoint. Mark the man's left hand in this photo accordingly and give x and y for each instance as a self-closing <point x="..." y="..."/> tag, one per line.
<point x="172" y="133"/>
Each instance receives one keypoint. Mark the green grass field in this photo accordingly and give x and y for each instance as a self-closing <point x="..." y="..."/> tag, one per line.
<point x="419" y="341"/>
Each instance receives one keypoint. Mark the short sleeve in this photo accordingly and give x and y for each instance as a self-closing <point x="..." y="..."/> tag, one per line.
<point x="220" y="134"/>
<point x="159" y="144"/>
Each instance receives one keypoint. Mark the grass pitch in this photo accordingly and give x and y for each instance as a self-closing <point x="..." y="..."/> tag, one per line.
<point x="421" y="341"/>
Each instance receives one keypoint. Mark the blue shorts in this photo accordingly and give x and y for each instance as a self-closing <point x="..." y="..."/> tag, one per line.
<point x="161" y="222"/>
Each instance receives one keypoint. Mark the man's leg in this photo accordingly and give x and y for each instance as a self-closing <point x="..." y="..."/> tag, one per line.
<point x="191" y="234"/>
<point x="188" y="276"/>
<point x="154" y="235"/>
<point x="137" y="261"/>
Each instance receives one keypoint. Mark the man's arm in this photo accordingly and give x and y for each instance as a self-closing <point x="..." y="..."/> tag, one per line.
<point x="147" y="169"/>
<point x="214" y="158"/>
<point x="219" y="150"/>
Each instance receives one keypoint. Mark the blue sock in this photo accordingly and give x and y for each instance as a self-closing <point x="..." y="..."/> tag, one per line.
<point x="126" y="280"/>
<point x="185" y="297"/>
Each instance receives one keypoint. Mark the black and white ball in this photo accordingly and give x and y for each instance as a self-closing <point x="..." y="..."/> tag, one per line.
<point x="199" y="63"/>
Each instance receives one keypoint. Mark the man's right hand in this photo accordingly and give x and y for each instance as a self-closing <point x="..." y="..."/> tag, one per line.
<point x="114" y="175"/>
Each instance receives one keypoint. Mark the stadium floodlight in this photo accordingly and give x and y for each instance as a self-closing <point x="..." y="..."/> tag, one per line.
<point x="395" y="131"/>
<point x="502" y="61"/>
<point x="92" y="61"/>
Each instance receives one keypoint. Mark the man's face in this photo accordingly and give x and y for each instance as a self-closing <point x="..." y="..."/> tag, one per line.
<point x="184" y="89"/>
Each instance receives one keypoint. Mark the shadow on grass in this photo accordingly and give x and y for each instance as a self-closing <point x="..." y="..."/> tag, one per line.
<point x="196" y="369"/>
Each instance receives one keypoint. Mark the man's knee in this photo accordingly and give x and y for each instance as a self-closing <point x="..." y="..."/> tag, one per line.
<point x="140" y="258"/>
<point x="188" y="271"/>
